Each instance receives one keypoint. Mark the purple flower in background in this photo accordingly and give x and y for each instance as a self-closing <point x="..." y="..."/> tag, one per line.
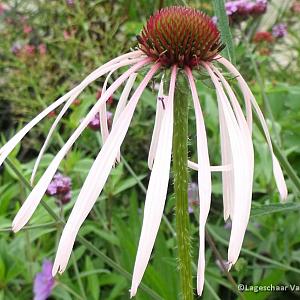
<point x="70" y="2"/>
<point x="60" y="187"/>
<point x="95" y="122"/>
<point x="231" y="7"/>
<point x="193" y="196"/>
<point x="260" y="7"/>
<point x="43" y="282"/>
<point x="279" y="30"/>
<point x="16" y="48"/>
<point x="245" y="8"/>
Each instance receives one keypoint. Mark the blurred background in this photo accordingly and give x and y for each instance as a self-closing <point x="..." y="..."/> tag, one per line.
<point x="46" y="48"/>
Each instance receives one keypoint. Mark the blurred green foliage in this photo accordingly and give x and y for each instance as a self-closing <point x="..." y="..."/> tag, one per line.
<point x="68" y="41"/>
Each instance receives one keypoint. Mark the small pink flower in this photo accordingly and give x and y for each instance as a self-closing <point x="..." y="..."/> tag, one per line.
<point x="29" y="50"/>
<point x="76" y="102"/>
<point x="67" y="35"/>
<point x="27" y="29"/>
<point x="263" y="36"/>
<point x="296" y="7"/>
<point x="3" y="8"/>
<point x="52" y="114"/>
<point x="42" y="49"/>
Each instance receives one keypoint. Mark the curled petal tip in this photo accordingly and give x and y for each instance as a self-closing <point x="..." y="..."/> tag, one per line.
<point x="57" y="269"/>
<point x="229" y="265"/>
<point x="132" y="292"/>
<point x="15" y="227"/>
<point x="200" y="291"/>
<point x="54" y="270"/>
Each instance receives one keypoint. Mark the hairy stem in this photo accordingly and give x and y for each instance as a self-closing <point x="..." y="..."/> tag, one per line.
<point x="180" y="157"/>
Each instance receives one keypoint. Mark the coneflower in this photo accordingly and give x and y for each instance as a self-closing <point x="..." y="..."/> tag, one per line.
<point x="178" y="42"/>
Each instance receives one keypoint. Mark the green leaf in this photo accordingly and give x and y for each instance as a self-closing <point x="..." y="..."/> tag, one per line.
<point x="92" y="280"/>
<point x="273" y="208"/>
<point x="223" y="22"/>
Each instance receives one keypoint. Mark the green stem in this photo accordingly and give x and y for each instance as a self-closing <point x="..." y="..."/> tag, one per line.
<point x="180" y="157"/>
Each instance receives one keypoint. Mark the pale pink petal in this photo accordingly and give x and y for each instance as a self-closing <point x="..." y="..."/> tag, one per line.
<point x="248" y="146"/>
<point x="204" y="180"/>
<point x="97" y="177"/>
<point x="242" y="156"/>
<point x="122" y="103"/>
<point x="11" y="144"/>
<point x="247" y="97"/>
<point x="157" y="124"/>
<point x="74" y="95"/>
<point x="103" y="112"/>
<point x="157" y="191"/>
<point x="38" y="191"/>
<point x="277" y="171"/>
<point x="224" y="168"/>
<point x="227" y="177"/>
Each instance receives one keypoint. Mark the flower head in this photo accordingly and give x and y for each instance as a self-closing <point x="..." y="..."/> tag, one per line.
<point x="177" y="38"/>
<point x="60" y="187"/>
<point x="42" y="49"/>
<point x="44" y="282"/>
<point x="242" y="9"/>
<point x="279" y="30"/>
<point x="263" y="36"/>
<point x="180" y="35"/>
<point x="16" y="48"/>
<point x="95" y="122"/>
<point x="295" y="7"/>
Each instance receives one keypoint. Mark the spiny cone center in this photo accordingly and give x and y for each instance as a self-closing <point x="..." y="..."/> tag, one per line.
<point x="180" y="35"/>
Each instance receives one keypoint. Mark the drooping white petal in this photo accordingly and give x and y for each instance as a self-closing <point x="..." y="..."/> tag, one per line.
<point x="246" y="136"/>
<point x="157" y="191"/>
<point x="103" y="111"/>
<point x="157" y="124"/>
<point x="242" y="156"/>
<point x="245" y="130"/>
<point x="11" y="144"/>
<point x="204" y="180"/>
<point x="277" y="171"/>
<point x="223" y="168"/>
<point x="247" y="99"/>
<point x="38" y="191"/>
<point x="227" y="177"/>
<point x="122" y="103"/>
<point x="75" y="94"/>
<point x="97" y="177"/>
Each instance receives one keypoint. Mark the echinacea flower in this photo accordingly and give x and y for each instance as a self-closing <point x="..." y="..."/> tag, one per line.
<point x="44" y="282"/>
<point x="178" y="39"/>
